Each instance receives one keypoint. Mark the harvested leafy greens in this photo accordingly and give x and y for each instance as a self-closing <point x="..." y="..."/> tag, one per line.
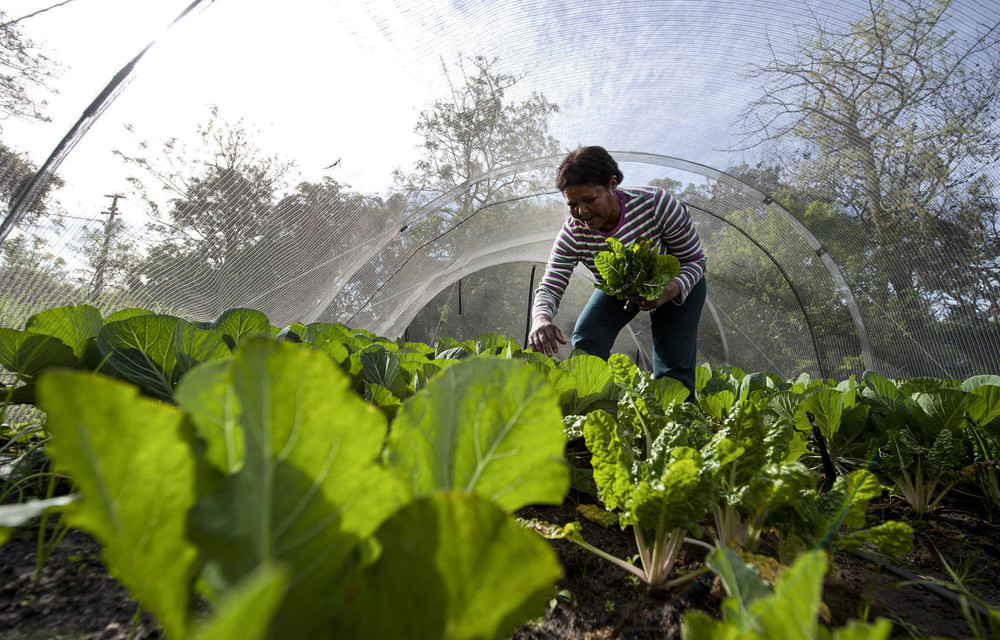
<point x="635" y="270"/>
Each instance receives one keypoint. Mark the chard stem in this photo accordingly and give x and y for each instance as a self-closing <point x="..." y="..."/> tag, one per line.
<point x="657" y="560"/>
<point x="941" y="495"/>
<point x="729" y="526"/>
<point x="685" y="578"/>
<point x="673" y="542"/>
<point x="640" y="542"/>
<point x="642" y="575"/>
<point x="645" y="428"/>
<point x="699" y="543"/>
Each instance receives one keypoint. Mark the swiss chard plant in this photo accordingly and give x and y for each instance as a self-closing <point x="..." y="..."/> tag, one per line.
<point x="925" y="448"/>
<point x="762" y="483"/>
<point x="758" y="477"/>
<point x="660" y="477"/>
<point x="635" y="270"/>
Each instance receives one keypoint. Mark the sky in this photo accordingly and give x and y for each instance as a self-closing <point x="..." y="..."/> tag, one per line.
<point x="322" y="80"/>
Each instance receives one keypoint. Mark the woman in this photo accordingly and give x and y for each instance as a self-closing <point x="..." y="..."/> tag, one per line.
<point x="599" y="208"/>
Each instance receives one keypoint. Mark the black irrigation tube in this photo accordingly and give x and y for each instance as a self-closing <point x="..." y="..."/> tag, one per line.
<point x="936" y="589"/>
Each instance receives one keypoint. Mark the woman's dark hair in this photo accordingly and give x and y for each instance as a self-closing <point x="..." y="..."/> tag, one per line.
<point x="587" y="165"/>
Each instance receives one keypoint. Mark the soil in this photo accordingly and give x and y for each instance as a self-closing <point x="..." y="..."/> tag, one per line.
<point x="75" y="598"/>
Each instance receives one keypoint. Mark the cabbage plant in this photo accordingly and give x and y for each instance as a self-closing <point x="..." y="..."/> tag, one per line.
<point x="283" y="494"/>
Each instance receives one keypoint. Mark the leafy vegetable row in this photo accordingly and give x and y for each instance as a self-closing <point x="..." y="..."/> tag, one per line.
<point x="294" y="508"/>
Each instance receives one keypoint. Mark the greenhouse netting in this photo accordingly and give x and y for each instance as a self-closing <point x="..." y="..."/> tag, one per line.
<point x="389" y="165"/>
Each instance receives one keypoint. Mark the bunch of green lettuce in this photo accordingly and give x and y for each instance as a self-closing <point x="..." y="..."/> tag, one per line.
<point x="635" y="270"/>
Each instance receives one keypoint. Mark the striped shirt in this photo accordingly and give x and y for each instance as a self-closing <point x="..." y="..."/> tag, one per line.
<point x="646" y="212"/>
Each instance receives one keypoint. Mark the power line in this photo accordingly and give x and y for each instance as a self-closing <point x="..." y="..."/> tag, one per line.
<point x="35" y="13"/>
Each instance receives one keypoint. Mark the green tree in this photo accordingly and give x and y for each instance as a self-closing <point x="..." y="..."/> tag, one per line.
<point x="319" y="232"/>
<point x="220" y="196"/>
<point x="32" y="276"/>
<point x="25" y="72"/>
<point x="894" y="120"/>
<point x="478" y="128"/>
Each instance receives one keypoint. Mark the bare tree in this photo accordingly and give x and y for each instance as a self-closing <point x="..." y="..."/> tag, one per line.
<point x="24" y="69"/>
<point x="895" y="119"/>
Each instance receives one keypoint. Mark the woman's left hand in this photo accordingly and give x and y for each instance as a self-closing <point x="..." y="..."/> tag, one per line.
<point x="671" y="291"/>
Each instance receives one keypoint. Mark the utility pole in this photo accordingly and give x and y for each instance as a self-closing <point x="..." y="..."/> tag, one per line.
<point x="102" y="258"/>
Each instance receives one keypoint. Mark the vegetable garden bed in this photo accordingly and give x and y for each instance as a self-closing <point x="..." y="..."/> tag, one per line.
<point x="77" y="599"/>
<point x="318" y="480"/>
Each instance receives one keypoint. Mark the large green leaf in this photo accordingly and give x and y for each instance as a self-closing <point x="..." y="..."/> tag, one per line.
<point x="785" y="404"/>
<point x="73" y="325"/>
<point x="246" y="610"/>
<point x="382" y="398"/>
<point x="590" y="385"/>
<point x="29" y="353"/>
<point x="129" y="312"/>
<point x="611" y="457"/>
<point x="718" y="404"/>
<point x="862" y="488"/>
<point x="309" y="491"/>
<point x="381" y="366"/>
<point x="743" y="583"/>
<point x="881" y="629"/>
<point x="909" y="386"/>
<point x="891" y="537"/>
<point x="136" y="476"/>
<point x="979" y="381"/>
<point x="242" y="324"/>
<point x="207" y="394"/>
<point x="491" y="427"/>
<point x="827" y="406"/>
<point x="623" y="369"/>
<point x="791" y="612"/>
<point x="192" y="346"/>
<point x="141" y="349"/>
<point x="453" y="567"/>
<point x="667" y="391"/>
<point x="702" y="374"/>
<point x="677" y="500"/>
<point x="491" y="344"/>
<point x="988" y="410"/>
<point x="154" y="351"/>
<point x="883" y="392"/>
<point x="331" y="339"/>
<point x="943" y="409"/>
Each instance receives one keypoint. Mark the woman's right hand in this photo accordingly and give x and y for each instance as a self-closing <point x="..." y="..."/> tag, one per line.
<point x="545" y="337"/>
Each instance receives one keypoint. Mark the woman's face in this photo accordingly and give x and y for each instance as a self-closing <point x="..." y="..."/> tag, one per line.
<point x="594" y="205"/>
